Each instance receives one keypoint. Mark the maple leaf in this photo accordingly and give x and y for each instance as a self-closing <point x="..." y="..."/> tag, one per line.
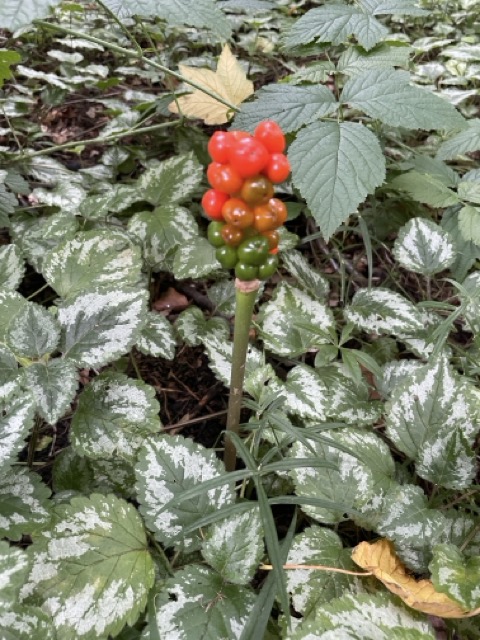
<point x="380" y="558"/>
<point x="229" y="81"/>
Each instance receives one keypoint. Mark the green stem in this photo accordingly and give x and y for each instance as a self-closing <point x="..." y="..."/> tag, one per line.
<point x="246" y="293"/>
<point x="138" y="56"/>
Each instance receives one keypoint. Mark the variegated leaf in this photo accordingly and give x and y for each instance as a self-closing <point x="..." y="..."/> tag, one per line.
<point x="197" y="603"/>
<point x="14" y="566"/>
<point x="11" y="303"/>
<point x="433" y="419"/>
<point x="359" y="477"/>
<point x="21" y="622"/>
<point x="23" y="503"/>
<point x="383" y="311"/>
<point x="167" y="467"/>
<point x="234" y="546"/>
<point x="191" y="325"/>
<point x="306" y="394"/>
<point x="222" y="294"/>
<point x="161" y="231"/>
<point x="195" y="259"/>
<point x="33" y="332"/>
<point x="395" y="373"/>
<point x="156" y="337"/>
<point x="100" y="325"/>
<point x="424" y="247"/>
<point x="456" y="575"/>
<point x="9" y="373"/>
<point x="307" y="276"/>
<point x="171" y="181"/>
<point x="12" y="266"/>
<point x="219" y="351"/>
<point x="67" y="196"/>
<point x="310" y="590"/>
<point x="348" y="401"/>
<point x="114" y="415"/>
<point x="92" y="570"/>
<point x="16" y="420"/>
<point x="472" y="310"/>
<point x="53" y="385"/>
<point x="294" y="322"/>
<point x="118" y="198"/>
<point x="101" y="256"/>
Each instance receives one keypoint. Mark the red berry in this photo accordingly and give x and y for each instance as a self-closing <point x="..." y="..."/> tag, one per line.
<point x="278" y="168"/>
<point x="212" y="203"/>
<point x="237" y="213"/>
<point x="271" y="136"/>
<point x="224" y="178"/>
<point x="248" y="157"/>
<point x="219" y="146"/>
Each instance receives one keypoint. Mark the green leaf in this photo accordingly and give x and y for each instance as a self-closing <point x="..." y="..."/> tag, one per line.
<point x="293" y="321"/>
<point x="161" y="231"/>
<point x="12" y="266"/>
<point x="424" y="247"/>
<point x="469" y="190"/>
<point x="307" y="276"/>
<point x="469" y="223"/>
<point x="465" y="141"/>
<point x="335" y="166"/>
<point x="100" y="325"/>
<point x="92" y="570"/>
<point x="310" y="590"/>
<point x="395" y="7"/>
<point x="8" y="202"/>
<point x="380" y="310"/>
<point x="118" y="198"/>
<point x="195" y="13"/>
<point x="432" y="419"/>
<point x="11" y="303"/>
<point x="53" y="385"/>
<point x="348" y="401"/>
<point x="157" y="338"/>
<point x="456" y="575"/>
<point x="198" y="603"/>
<point x="195" y="259"/>
<point x="171" y="181"/>
<point x="364" y="617"/>
<point x="23" y="503"/>
<point x="16" y="420"/>
<point x="13" y="569"/>
<point x="192" y="326"/>
<point x="33" y="332"/>
<point x="315" y="73"/>
<point x="67" y="196"/>
<point x="101" y="256"/>
<point x="355" y="60"/>
<point x="305" y="393"/>
<point x="472" y="311"/>
<point x="24" y="623"/>
<point x="167" y="467"/>
<point x="234" y="546"/>
<point x="18" y="13"/>
<point x="425" y="188"/>
<point x="289" y="105"/>
<point x="7" y="58"/>
<point x="358" y="479"/>
<point x="385" y="94"/>
<point x="335" y="23"/>
<point x="114" y="415"/>
<point x="467" y="252"/>
<point x="218" y="347"/>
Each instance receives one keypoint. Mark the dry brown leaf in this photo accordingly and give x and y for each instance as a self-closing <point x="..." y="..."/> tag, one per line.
<point x="229" y="81"/>
<point x="380" y="558"/>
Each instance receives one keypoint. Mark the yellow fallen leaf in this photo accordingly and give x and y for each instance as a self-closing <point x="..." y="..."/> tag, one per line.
<point x="380" y="558"/>
<point x="229" y="81"/>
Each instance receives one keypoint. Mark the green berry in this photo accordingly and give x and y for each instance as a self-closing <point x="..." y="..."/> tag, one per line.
<point x="245" y="271"/>
<point x="227" y="256"/>
<point x="268" y="268"/>
<point x="254" y="251"/>
<point x="214" y="233"/>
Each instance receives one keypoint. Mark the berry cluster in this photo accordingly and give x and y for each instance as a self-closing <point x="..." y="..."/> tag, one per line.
<point x="245" y="215"/>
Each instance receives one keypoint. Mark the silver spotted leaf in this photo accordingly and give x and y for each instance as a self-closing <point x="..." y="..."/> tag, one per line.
<point x="156" y="337"/>
<point x="306" y="276"/>
<point x="53" y="384"/>
<point x="24" y="507"/>
<point x="219" y="350"/>
<point x="22" y="622"/>
<point x="16" y="420"/>
<point x="14" y="565"/>
<point x="33" y="332"/>
<point x="195" y="259"/>
<point x="191" y="325"/>
<point x="9" y="373"/>
<point x="12" y="266"/>
<point x="456" y="575"/>
<point x="171" y="181"/>
<point x="424" y="247"/>
<point x="11" y="303"/>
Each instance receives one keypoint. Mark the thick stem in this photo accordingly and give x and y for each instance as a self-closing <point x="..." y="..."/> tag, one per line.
<point x="246" y="293"/>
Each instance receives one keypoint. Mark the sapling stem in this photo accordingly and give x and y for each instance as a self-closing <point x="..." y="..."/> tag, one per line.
<point x="245" y="295"/>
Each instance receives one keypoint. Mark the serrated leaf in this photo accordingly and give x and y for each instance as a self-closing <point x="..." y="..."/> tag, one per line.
<point x="156" y="337"/>
<point x="195" y="259"/>
<point x="465" y="141"/>
<point x="53" y="385"/>
<point x="178" y="13"/>
<point x="307" y="276"/>
<point x="171" y="181"/>
<point x="234" y="546"/>
<point x="168" y="466"/>
<point x="467" y="251"/>
<point x="364" y="617"/>
<point x="9" y="373"/>
<point x="289" y="105"/>
<point x="311" y="589"/>
<point x="219" y="348"/>
<point x="222" y="294"/>
<point x="7" y="58"/>
<point x="23" y="503"/>
<point x="335" y="166"/>
<point x="293" y="321"/>
<point x="21" y="622"/>
<point x="357" y="479"/>
<point x="16" y="420"/>
<point x="472" y="311"/>
<point x="11" y="303"/>
<point x="348" y="401"/>
<point x="105" y="257"/>
<point x="67" y="196"/>
<point x="18" y="13"/>
<point x="198" y="603"/>
<point x="33" y="332"/>
<point x="380" y="310"/>
<point x="229" y="81"/>
<point x="395" y="373"/>
<point x="192" y="326"/>
<point x="8" y="202"/>
<point x="355" y="60"/>
<point x="334" y="24"/>
<point x="469" y="190"/>
<point x="385" y="94"/>
<point x="12" y="266"/>
<point x="13" y="571"/>
<point x="305" y="394"/>
<point x="432" y="419"/>
<point x="424" y="247"/>
<point x="100" y="325"/>
<point x="114" y="415"/>
<point x="161" y="231"/>
<point x="315" y="73"/>
<point x="456" y="575"/>
<point x="92" y="569"/>
<point x="469" y="223"/>
<point x="425" y="188"/>
<point x="395" y="7"/>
